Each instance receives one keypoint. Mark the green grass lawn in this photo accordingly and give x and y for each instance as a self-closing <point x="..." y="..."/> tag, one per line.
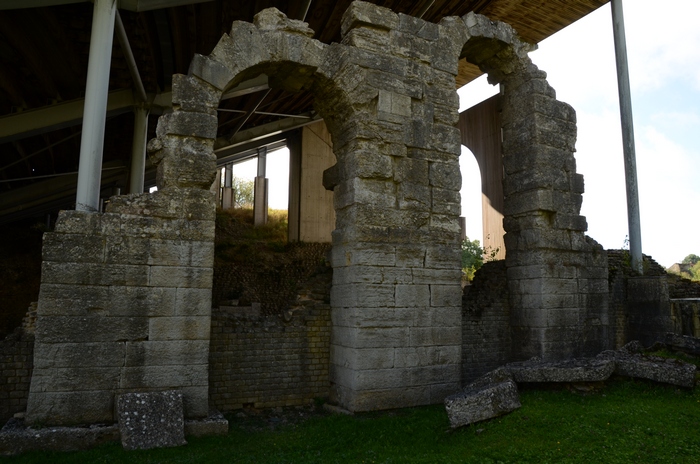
<point x="625" y="422"/>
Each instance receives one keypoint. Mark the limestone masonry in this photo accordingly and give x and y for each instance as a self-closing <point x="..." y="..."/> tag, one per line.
<point x="125" y="301"/>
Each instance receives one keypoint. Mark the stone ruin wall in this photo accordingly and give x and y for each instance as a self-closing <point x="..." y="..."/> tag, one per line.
<point x="125" y="297"/>
<point x="266" y="361"/>
<point x="16" y="365"/>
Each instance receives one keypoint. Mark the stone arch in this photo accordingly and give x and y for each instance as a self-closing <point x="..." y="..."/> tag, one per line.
<point x="558" y="302"/>
<point x="396" y="187"/>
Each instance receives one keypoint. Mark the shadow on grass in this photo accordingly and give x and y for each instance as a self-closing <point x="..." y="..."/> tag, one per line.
<point x="627" y="421"/>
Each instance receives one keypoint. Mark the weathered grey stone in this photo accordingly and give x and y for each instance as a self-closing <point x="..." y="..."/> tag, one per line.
<point x="188" y="124"/>
<point x="364" y="14"/>
<point x="16" y="438"/>
<point x="191" y="94"/>
<point x="97" y="328"/>
<point x="192" y="204"/>
<point x="214" y="424"/>
<point x="483" y="402"/>
<point x="70" y="408"/>
<point x="575" y="370"/>
<point x="211" y="71"/>
<point x="165" y="352"/>
<point x="94" y="354"/>
<point x="151" y="420"/>
<point x="683" y="343"/>
<point x="271" y="19"/>
<point x="179" y="328"/>
<point x="629" y="362"/>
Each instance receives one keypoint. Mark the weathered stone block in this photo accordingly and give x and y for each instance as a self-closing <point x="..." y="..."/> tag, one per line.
<point x="410" y="296"/>
<point x="370" y="337"/>
<point x="179" y="328"/>
<point x="683" y="343"/>
<point x="76" y="379"/>
<point x="165" y="353"/>
<point x="439" y="317"/>
<point x="435" y="336"/>
<point x="366" y="15"/>
<point x="420" y="356"/>
<point x="481" y="403"/>
<point x="180" y="276"/>
<point x="76" y="248"/>
<point x="393" y="103"/>
<point x="186" y="204"/>
<point x="188" y="124"/>
<point x="192" y="302"/>
<point x="363" y="358"/>
<point x="213" y="424"/>
<point x="446" y="295"/>
<point x="372" y="317"/>
<point x="671" y="371"/>
<point x="446" y="176"/>
<point x="160" y="377"/>
<point x="191" y="94"/>
<point x="575" y="370"/>
<point x="271" y="19"/>
<point x="442" y="256"/>
<point x="413" y="196"/>
<point x="373" y="192"/>
<point x="93" y="354"/>
<point x="377" y="255"/>
<point x="430" y="375"/>
<point x="16" y="439"/>
<point x="70" y="408"/>
<point x="362" y="295"/>
<point x="67" y="329"/>
<point x="151" y="420"/>
<point x="211" y="71"/>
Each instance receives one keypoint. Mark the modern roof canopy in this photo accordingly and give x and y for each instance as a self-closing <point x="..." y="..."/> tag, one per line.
<point x="44" y="48"/>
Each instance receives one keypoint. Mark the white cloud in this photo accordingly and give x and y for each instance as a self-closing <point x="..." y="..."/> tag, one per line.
<point x="662" y="49"/>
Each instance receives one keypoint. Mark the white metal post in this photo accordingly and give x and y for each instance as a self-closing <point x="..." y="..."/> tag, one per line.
<point x="95" y="110"/>
<point x="138" y="150"/>
<point x="623" y="85"/>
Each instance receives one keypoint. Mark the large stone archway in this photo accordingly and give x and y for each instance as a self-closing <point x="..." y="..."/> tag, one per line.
<point x="126" y="295"/>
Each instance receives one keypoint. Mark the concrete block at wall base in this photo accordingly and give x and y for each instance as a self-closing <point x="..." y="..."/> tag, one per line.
<point x="214" y="424"/>
<point x="16" y="438"/>
<point x="151" y="420"/>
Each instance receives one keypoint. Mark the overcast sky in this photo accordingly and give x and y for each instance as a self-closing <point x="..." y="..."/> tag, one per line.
<point x="664" y="55"/>
<point x="664" y="62"/>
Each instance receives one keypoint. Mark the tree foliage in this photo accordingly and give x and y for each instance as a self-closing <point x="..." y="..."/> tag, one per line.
<point x="243" y="190"/>
<point x="690" y="268"/>
<point x="474" y="256"/>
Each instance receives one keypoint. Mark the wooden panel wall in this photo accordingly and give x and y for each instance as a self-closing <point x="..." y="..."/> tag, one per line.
<point x="316" y="213"/>
<point x="480" y="127"/>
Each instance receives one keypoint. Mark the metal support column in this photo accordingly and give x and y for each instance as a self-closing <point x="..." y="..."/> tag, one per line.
<point x="95" y="110"/>
<point x="228" y="197"/>
<point x="623" y="85"/>
<point x="261" y="189"/>
<point x="138" y="150"/>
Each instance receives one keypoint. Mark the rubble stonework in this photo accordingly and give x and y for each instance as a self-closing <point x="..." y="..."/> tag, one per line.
<point x="125" y="296"/>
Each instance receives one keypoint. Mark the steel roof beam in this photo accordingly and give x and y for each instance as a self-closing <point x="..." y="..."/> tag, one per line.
<point x="38" y="121"/>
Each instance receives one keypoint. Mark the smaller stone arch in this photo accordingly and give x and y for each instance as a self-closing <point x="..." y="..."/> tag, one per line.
<point x="558" y="303"/>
